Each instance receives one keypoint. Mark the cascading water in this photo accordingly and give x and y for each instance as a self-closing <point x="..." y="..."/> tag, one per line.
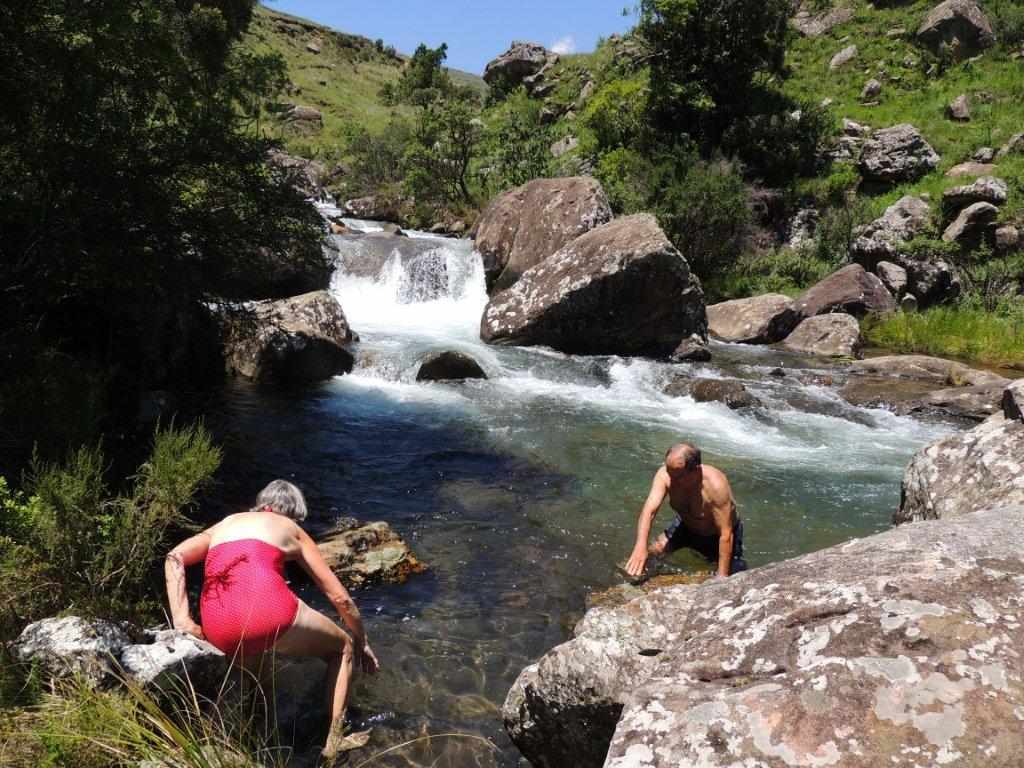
<point x="521" y="492"/>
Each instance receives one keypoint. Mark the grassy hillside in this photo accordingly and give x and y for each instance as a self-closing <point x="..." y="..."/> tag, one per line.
<point x="342" y="81"/>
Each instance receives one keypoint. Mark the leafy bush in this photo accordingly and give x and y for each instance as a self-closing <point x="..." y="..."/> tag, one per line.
<point x="516" y="144"/>
<point x="72" y="544"/>
<point x="446" y="140"/>
<point x="376" y="159"/>
<point x="785" y="270"/>
<point x="1007" y="20"/>
<point x="615" y="115"/>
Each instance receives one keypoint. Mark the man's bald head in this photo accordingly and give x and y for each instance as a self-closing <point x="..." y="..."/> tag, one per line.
<point x="682" y="457"/>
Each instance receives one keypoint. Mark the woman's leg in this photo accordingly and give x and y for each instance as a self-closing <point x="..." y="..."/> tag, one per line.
<point x="313" y="634"/>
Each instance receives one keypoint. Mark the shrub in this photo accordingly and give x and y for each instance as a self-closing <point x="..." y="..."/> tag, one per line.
<point x="516" y="144"/>
<point x="615" y="115"/>
<point x="628" y="179"/>
<point x="1007" y="21"/>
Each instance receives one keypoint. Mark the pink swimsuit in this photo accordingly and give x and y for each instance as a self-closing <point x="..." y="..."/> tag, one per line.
<point x="246" y="604"/>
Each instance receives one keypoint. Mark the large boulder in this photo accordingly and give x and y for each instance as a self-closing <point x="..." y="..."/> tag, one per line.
<point x="931" y="281"/>
<point x="811" y="24"/>
<point x="851" y="290"/>
<point x="620" y="289"/>
<point x="962" y="473"/>
<point x="975" y="403"/>
<point x="1013" y="400"/>
<point x="893" y="277"/>
<point x="882" y="239"/>
<point x="450" y="366"/>
<point x="524" y="226"/>
<point x="296" y="340"/>
<point x="757" y="320"/>
<point x="959" y="24"/>
<point x="374" y="208"/>
<point x="833" y="335"/>
<point x="372" y="255"/>
<point x="306" y="176"/>
<point x="896" y="155"/>
<point x="304" y="120"/>
<point x="104" y="654"/>
<point x="844" y="57"/>
<point x="362" y="554"/>
<point x="901" y="644"/>
<point x="519" y="62"/>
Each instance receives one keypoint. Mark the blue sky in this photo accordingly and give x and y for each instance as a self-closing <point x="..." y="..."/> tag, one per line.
<point x="475" y="30"/>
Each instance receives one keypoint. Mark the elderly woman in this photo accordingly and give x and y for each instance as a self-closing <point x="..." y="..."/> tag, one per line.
<point x="246" y="606"/>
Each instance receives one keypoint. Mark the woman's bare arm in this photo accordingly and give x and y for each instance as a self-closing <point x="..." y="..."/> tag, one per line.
<point x="313" y="563"/>
<point x="191" y="551"/>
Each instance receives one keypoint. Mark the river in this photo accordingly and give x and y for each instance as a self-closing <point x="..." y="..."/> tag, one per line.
<point x="521" y="492"/>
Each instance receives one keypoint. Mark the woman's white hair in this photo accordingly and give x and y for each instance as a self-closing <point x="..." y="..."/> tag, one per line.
<point x="284" y="498"/>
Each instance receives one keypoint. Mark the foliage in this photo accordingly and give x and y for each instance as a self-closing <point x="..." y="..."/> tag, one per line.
<point x="133" y="185"/>
<point x="446" y="138"/>
<point x="989" y="280"/>
<point x="424" y="79"/>
<point x="784" y="270"/>
<point x="75" y="545"/>
<point x="516" y="144"/>
<point x="1007" y="20"/>
<point x="376" y="159"/>
<point x="966" y="331"/>
<point x="707" y="56"/>
<point x="616" y="114"/>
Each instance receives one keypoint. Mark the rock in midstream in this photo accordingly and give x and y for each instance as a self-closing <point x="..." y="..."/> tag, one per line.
<point x="902" y="643"/>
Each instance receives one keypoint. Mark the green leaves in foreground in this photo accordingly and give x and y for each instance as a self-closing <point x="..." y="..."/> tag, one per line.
<point x="91" y="550"/>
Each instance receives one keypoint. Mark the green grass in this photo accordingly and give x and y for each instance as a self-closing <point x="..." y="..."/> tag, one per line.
<point x="969" y="334"/>
<point x="994" y="84"/>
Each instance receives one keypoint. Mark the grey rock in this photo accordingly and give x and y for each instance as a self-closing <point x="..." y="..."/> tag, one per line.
<point x="301" y="339"/>
<point x="1013" y="401"/>
<point x="563" y="146"/>
<point x="987" y="189"/>
<point x="802" y="228"/>
<point x="847" y="657"/>
<point x="521" y="61"/>
<point x="622" y="288"/>
<point x="304" y="120"/>
<point x="691" y="350"/>
<point x="424" y="278"/>
<point x="897" y="154"/>
<point x="306" y="176"/>
<point x="851" y="290"/>
<point x="757" y="320"/>
<point x="871" y="91"/>
<point x="959" y="24"/>
<point x="984" y="155"/>
<point x="975" y="403"/>
<point x="855" y="129"/>
<point x="374" y="208"/>
<point x="524" y="226"/>
<point x="450" y="366"/>
<point x="169" y="656"/>
<point x="909" y="304"/>
<point x="931" y="282"/>
<point x="959" y="109"/>
<point x="730" y="392"/>
<point x="1014" y="146"/>
<point x="971" y="226"/>
<point x="893" y="277"/>
<point x="881" y="240"/>
<point x="313" y="47"/>
<point x="833" y="335"/>
<point x="845" y="56"/>
<point x="817" y="24"/>
<point x="960" y="474"/>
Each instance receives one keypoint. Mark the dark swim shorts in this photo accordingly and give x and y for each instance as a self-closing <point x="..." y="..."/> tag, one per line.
<point x="680" y="537"/>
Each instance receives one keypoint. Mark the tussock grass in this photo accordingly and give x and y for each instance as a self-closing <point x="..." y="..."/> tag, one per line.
<point x="966" y="333"/>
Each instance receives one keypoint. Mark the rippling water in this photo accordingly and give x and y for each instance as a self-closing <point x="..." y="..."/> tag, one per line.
<point x="521" y="492"/>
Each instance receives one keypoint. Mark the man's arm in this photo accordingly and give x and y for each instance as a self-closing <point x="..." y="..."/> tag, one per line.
<point x="723" y="519"/>
<point x="638" y="559"/>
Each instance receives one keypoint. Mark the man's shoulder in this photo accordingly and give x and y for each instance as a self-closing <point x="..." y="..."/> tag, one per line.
<point x="715" y="478"/>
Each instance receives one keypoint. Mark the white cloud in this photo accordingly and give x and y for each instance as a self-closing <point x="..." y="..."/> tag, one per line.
<point x="564" y="45"/>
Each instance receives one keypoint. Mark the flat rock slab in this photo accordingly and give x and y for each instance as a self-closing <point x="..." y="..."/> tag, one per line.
<point x="903" y="643"/>
<point x="835" y="335"/>
<point x="925" y="368"/>
<point x="368" y="554"/>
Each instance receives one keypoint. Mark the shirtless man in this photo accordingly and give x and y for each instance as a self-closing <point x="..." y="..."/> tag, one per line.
<point x="706" y="517"/>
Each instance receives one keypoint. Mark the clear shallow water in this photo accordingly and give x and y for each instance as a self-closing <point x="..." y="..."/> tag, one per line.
<point x="521" y="492"/>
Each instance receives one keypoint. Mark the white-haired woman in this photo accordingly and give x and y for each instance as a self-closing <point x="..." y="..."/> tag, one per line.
<point x="246" y="606"/>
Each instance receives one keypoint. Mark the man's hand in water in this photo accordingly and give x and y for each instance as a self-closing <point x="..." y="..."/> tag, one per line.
<point x="637" y="561"/>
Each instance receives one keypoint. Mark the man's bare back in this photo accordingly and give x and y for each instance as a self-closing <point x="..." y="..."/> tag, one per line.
<point x="706" y="514"/>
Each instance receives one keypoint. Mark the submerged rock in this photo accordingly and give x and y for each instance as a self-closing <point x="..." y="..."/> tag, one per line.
<point x="620" y="289"/>
<point x="962" y="473"/>
<point x="728" y="391"/>
<point x="691" y="350"/>
<point x="368" y="554"/>
<point x="524" y="226"/>
<point x="850" y="656"/>
<point x="450" y="366"/>
<point x="757" y="320"/>
<point x="296" y="340"/>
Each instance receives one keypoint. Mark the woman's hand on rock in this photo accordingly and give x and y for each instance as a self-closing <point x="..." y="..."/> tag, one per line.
<point x="189" y="627"/>
<point x="637" y="561"/>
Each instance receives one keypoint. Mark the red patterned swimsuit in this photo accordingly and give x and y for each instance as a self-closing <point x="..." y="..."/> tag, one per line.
<point x="246" y="603"/>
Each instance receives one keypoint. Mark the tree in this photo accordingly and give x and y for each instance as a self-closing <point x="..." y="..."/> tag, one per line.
<point x="706" y="57"/>
<point x="424" y="79"/>
<point x="445" y="142"/>
<point x="133" y="186"/>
